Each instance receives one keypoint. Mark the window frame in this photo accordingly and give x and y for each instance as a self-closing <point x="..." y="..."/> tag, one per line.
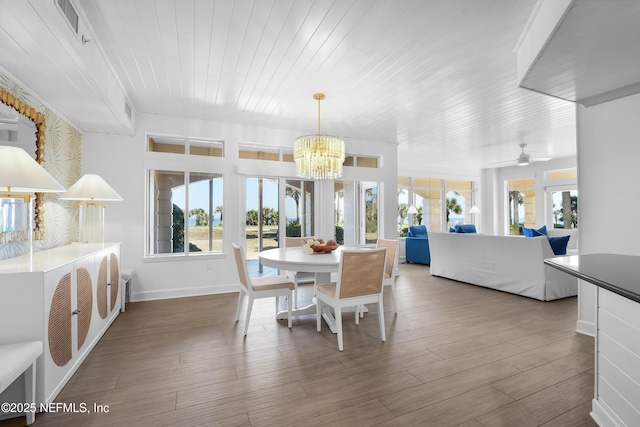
<point x="184" y="164"/>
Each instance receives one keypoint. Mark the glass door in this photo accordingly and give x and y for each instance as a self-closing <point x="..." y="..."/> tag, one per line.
<point x="356" y="207"/>
<point x="262" y="217"/>
<point x="299" y="208"/>
<point x="369" y="212"/>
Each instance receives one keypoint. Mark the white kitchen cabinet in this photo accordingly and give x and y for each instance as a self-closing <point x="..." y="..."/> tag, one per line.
<point x="65" y="297"/>
<point x="616" y="401"/>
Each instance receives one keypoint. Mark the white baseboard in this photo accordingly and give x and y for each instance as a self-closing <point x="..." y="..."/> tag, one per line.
<point x="182" y="292"/>
<point x="586" y="328"/>
<point x="602" y="416"/>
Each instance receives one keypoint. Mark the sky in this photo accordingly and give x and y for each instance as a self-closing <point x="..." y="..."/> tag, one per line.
<point x="199" y="196"/>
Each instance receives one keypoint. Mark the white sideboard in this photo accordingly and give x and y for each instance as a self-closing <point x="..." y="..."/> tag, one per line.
<point x="65" y="297"/>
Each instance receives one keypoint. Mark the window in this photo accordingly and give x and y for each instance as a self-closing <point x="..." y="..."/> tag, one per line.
<point x="184" y="202"/>
<point x="458" y="201"/>
<point x="562" y="198"/>
<point x="371" y="203"/>
<point x="360" y="161"/>
<point x="299" y="208"/>
<point x="180" y="213"/>
<point x="564" y="208"/>
<point x="181" y="145"/>
<point x="521" y="202"/>
<point x="345" y="209"/>
<point x="255" y="152"/>
<point x="427" y="196"/>
<point x="261" y="217"/>
<point x="404" y="187"/>
<point x="356" y="206"/>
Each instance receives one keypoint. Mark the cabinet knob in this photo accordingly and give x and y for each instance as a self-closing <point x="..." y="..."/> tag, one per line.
<point x="76" y="311"/>
<point x="108" y="283"/>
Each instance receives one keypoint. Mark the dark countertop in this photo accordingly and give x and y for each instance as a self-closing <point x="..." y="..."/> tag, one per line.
<point x="617" y="273"/>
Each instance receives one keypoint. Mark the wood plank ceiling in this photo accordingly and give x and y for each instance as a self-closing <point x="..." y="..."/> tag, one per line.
<point x="436" y="77"/>
<point x="594" y="54"/>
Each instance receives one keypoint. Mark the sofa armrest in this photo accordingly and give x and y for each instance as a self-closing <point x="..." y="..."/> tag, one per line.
<point x="417" y="250"/>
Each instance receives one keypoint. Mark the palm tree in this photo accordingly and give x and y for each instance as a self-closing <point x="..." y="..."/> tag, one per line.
<point x="453" y="207"/>
<point x="202" y="218"/>
<point x="252" y="217"/>
<point x="219" y="210"/>
<point x="402" y="212"/>
<point x="294" y="193"/>
<point x="516" y="198"/>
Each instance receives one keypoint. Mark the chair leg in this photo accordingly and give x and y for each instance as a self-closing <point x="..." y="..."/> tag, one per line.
<point x="240" y="297"/>
<point x="318" y="315"/>
<point x="30" y="390"/>
<point x="249" y="308"/>
<point x="357" y="309"/>
<point x="393" y="295"/>
<point x="289" y="307"/>
<point x="295" y="291"/>
<point x="383" y="335"/>
<point x="338" y="317"/>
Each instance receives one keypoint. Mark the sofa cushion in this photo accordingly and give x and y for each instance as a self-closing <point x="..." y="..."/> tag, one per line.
<point x="418" y="231"/>
<point x="532" y="232"/>
<point x="559" y="244"/>
<point x="465" y="228"/>
<point x="573" y="232"/>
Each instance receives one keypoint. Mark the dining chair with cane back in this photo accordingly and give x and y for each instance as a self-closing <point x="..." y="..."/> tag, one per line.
<point x="260" y="287"/>
<point x="359" y="282"/>
<point x="391" y="266"/>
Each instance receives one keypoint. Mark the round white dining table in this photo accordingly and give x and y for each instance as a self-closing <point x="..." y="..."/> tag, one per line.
<point x="297" y="259"/>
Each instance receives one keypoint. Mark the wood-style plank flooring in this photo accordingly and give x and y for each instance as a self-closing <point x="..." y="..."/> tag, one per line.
<point x="455" y="355"/>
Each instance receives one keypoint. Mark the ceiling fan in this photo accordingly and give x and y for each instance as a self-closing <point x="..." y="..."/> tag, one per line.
<point x="524" y="158"/>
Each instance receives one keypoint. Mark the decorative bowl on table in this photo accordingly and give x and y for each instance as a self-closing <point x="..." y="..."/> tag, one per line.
<point x="320" y="246"/>
<point x="325" y="249"/>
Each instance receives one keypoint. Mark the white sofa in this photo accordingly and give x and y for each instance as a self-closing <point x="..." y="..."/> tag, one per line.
<point x="507" y="263"/>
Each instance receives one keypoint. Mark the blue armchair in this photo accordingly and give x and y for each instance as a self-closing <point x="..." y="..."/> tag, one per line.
<point x="417" y="245"/>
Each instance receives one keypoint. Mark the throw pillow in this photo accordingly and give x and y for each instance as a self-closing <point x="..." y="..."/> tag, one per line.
<point x="532" y="232"/>
<point x="559" y="244"/>
<point x="465" y="228"/>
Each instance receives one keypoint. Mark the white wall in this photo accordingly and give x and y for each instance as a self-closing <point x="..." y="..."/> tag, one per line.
<point x="120" y="160"/>
<point x="608" y="153"/>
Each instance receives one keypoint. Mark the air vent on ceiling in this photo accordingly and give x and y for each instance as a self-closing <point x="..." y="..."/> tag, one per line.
<point x="127" y="109"/>
<point x="69" y="12"/>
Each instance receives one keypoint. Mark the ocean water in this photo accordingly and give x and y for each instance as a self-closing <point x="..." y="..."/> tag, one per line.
<point x="216" y="221"/>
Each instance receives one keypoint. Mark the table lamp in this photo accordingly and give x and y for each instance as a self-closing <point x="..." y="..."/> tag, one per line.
<point x="92" y="192"/>
<point x="20" y="177"/>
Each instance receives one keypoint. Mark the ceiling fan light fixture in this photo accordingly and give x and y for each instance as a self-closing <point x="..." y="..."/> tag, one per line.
<point x="523" y="160"/>
<point x="318" y="156"/>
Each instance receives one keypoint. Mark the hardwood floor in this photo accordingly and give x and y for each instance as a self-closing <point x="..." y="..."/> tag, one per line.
<point x="455" y="355"/>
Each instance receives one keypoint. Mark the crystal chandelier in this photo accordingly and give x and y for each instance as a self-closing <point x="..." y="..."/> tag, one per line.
<point x="318" y="156"/>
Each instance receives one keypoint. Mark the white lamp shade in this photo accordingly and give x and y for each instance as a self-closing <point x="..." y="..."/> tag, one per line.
<point x="412" y="210"/>
<point x="20" y="173"/>
<point x="474" y="210"/>
<point x="91" y="187"/>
